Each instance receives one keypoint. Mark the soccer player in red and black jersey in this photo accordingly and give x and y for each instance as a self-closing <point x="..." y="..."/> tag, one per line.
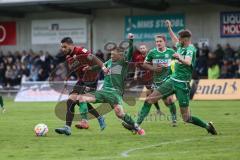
<point x="142" y="75"/>
<point x="77" y="58"/>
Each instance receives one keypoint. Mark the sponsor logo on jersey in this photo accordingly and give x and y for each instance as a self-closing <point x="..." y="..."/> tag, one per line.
<point x="116" y="69"/>
<point x="166" y="56"/>
<point x="162" y="62"/>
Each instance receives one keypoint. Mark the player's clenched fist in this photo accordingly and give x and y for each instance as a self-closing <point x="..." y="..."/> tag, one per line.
<point x="105" y="70"/>
<point x="130" y="36"/>
<point x="168" y="23"/>
<point x="176" y="56"/>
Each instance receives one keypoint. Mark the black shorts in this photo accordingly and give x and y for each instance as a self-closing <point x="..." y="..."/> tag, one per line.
<point x="82" y="87"/>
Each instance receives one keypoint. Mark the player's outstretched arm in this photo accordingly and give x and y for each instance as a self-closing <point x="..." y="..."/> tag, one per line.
<point x="171" y="33"/>
<point x="95" y="67"/>
<point x="98" y="62"/>
<point x="130" y="49"/>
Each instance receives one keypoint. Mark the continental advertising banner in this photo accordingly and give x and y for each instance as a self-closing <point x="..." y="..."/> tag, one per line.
<point x="230" y="24"/>
<point x="221" y="89"/>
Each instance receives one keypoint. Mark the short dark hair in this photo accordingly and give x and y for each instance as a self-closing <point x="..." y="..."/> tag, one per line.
<point x="161" y="36"/>
<point x="67" y="40"/>
<point x="185" y="33"/>
<point x="119" y="50"/>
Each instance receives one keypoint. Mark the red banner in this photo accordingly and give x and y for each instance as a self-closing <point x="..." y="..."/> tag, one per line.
<point x="7" y="33"/>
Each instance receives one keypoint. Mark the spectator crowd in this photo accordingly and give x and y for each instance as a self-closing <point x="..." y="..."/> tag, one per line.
<point x="223" y="62"/>
<point x="25" y="66"/>
<point x="32" y="66"/>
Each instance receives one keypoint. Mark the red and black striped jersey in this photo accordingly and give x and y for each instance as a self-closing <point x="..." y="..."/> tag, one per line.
<point x="77" y="60"/>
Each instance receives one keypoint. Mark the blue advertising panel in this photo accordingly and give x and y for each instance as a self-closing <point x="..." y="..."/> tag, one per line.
<point x="230" y="24"/>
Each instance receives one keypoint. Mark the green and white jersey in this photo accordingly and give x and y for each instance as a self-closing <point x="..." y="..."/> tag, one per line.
<point x="183" y="72"/>
<point x="114" y="80"/>
<point x="158" y="58"/>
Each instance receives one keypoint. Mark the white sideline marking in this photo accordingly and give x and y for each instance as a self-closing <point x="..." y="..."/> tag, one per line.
<point x="126" y="153"/>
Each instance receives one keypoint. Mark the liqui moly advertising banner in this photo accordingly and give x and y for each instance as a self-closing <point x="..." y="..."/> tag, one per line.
<point x="230" y="24"/>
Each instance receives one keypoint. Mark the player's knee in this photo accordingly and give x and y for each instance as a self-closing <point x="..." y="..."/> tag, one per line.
<point x="81" y="99"/>
<point x="148" y="92"/>
<point x="73" y="97"/>
<point x="186" y="118"/>
<point x="168" y="101"/>
<point x="150" y="100"/>
<point x="118" y="111"/>
<point x="120" y="116"/>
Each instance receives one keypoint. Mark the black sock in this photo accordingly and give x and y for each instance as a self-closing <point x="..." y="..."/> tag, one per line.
<point x="70" y="112"/>
<point x="1" y="101"/>
<point x="92" y="110"/>
<point x="157" y="106"/>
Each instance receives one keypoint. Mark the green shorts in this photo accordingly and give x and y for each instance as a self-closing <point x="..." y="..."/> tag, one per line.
<point x="108" y="96"/>
<point x="155" y="86"/>
<point x="181" y="90"/>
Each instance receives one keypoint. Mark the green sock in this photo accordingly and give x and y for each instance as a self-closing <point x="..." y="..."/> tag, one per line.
<point x="197" y="121"/>
<point x="172" y="108"/>
<point x="83" y="109"/>
<point x="128" y="119"/>
<point x="1" y="101"/>
<point x="144" y="112"/>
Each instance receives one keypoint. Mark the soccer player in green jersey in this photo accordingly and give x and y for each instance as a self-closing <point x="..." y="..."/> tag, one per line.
<point x="142" y="76"/>
<point x="113" y="85"/>
<point x="2" y="104"/>
<point x="178" y="82"/>
<point x="158" y="60"/>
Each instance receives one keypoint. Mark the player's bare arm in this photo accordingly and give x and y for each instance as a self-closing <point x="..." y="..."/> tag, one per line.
<point x="171" y="33"/>
<point x="98" y="62"/>
<point x="187" y="60"/>
<point x="130" y="49"/>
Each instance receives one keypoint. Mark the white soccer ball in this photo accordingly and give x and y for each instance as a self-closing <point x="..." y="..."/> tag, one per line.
<point x="41" y="129"/>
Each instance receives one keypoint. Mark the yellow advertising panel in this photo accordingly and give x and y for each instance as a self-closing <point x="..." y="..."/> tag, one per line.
<point x="220" y="89"/>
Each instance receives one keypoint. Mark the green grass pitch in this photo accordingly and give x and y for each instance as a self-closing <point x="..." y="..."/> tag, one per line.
<point x="185" y="142"/>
